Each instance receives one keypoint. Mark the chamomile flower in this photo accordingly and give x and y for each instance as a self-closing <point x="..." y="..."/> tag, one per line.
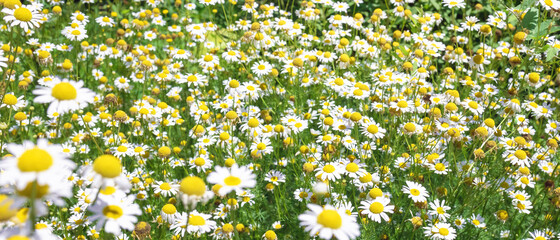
<point x="34" y="162"/>
<point x="415" y="191"/>
<point x="329" y="171"/>
<point x="377" y="209"/>
<point x="275" y="177"/>
<point x="328" y="222"/>
<point x="26" y="17"/>
<point x="261" y="68"/>
<point x="115" y="214"/>
<point x="169" y="213"/>
<point x="373" y="130"/>
<point x="439" y="209"/>
<point x="11" y="101"/>
<point x="440" y="230"/>
<point x="193" y="223"/>
<point x="236" y="178"/>
<point x="64" y="96"/>
<point x="166" y="189"/>
<point x="105" y="21"/>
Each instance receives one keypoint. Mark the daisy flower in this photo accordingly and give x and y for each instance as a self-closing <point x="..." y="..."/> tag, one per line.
<point x="52" y="192"/>
<point x="261" y="68"/>
<point x="24" y="16"/>
<point x="474" y="107"/>
<point x="75" y="32"/>
<point x="193" y="190"/>
<point x="105" y="21"/>
<point x="373" y="130"/>
<point x="329" y="171"/>
<point x="454" y="3"/>
<point x="441" y="230"/>
<point x="166" y="189"/>
<point x="13" y="102"/>
<point x="169" y="213"/>
<point x="415" y="191"/>
<point x="235" y="178"/>
<point x="115" y="213"/>
<point x="193" y="223"/>
<point x="106" y="170"/>
<point x="34" y="162"/>
<point x="517" y="157"/>
<point x="275" y="177"/>
<point x="478" y="221"/>
<point x="439" y="209"/>
<point x="64" y="96"/>
<point x="200" y="223"/>
<point x="377" y="209"/>
<point x="328" y="222"/>
<point x="550" y="4"/>
<point x="200" y="163"/>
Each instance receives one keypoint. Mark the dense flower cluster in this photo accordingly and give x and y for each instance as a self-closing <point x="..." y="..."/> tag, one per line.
<point x="308" y="119"/>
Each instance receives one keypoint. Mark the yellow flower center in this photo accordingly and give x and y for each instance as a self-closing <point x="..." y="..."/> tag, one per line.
<point x="376" y="207"/>
<point x="193" y="186"/>
<point x="40" y="226"/>
<point x="18" y="237"/>
<point x="6" y="211"/>
<point x="40" y="190"/>
<point x="113" y="211"/>
<point x="328" y="168"/>
<point x="10" y="99"/>
<point x="122" y="149"/>
<point x="232" y="181"/>
<point x="196" y="220"/>
<point x="339" y="81"/>
<point x="443" y="231"/>
<point x="330" y="219"/>
<point x="410" y="127"/>
<point x="375" y="193"/>
<point x="23" y="14"/>
<point x="253" y="122"/>
<point x="402" y="104"/>
<point x="165" y="186"/>
<point x="270" y="235"/>
<point x="64" y="91"/>
<point x="414" y="192"/>
<point x="352" y="167"/>
<point x="520" y="154"/>
<point x="199" y="161"/>
<point x="108" y="190"/>
<point x="373" y="129"/>
<point x="107" y="166"/>
<point x="35" y="160"/>
<point x="227" y="228"/>
<point x="169" y="209"/>
<point x="192" y="78"/>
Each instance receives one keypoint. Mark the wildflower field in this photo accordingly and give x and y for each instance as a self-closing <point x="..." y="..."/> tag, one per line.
<point x="287" y="119"/>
